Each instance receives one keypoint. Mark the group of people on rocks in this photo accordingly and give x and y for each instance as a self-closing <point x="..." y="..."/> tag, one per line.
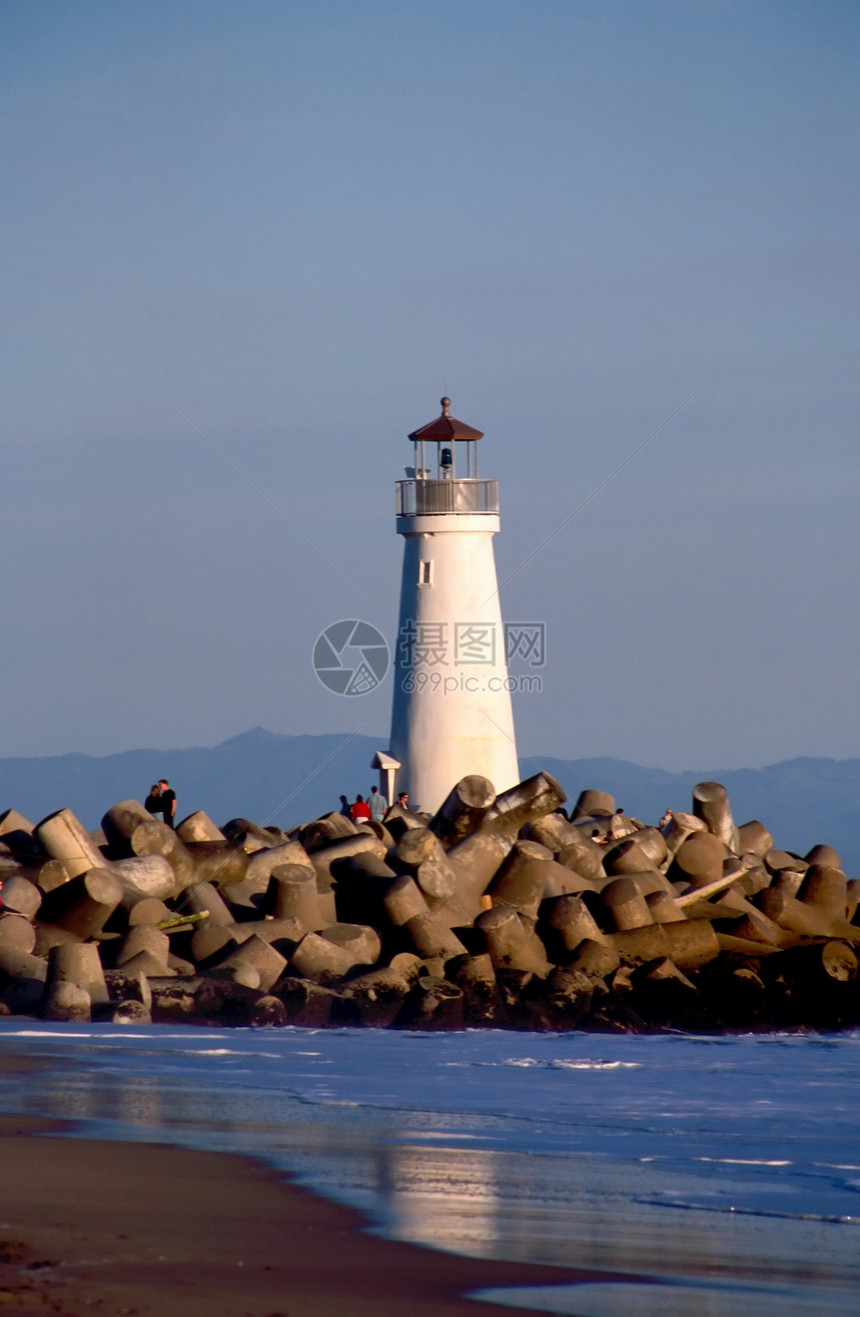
<point x="162" y="800"/>
<point x="371" y="810"/>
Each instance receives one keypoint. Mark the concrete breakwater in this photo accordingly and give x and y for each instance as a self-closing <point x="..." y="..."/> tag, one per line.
<point x="498" y="912"/>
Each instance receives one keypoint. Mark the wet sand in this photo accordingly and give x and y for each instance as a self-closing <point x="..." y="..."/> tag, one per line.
<point x="146" y="1230"/>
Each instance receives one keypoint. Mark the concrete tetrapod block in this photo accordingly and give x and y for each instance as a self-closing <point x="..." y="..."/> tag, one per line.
<point x="49" y="935"/>
<point x="679" y="828"/>
<point x="292" y="894"/>
<point x="570" y="845"/>
<point x="375" y="998"/>
<point x="465" y="808"/>
<point x="754" y="837"/>
<point x="23" y="847"/>
<point x="700" y="859"/>
<point x="78" y="963"/>
<point x="212" y="942"/>
<point x="754" y="878"/>
<point x="149" y="911"/>
<point x="572" y="922"/>
<point x="624" y="856"/>
<point x="16" y="964"/>
<point x="852" y="892"/>
<point x="283" y="934"/>
<point x="331" y="827"/>
<point x="343" y="849"/>
<point x="268" y="963"/>
<point x="433" y="1004"/>
<point x="144" y="938"/>
<point x="156" y="838"/>
<point x="663" y="909"/>
<point x="436" y="880"/>
<point x="630" y="856"/>
<point x="787" y="881"/>
<point x="711" y="805"/>
<point x="690" y="944"/>
<point x="199" y="827"/>
<point x="522" y="804"/>
<point x="263" y="863"/>
<point x="414" y="847"/>
<point x="823" y="886"/>
<point x="51" y="874"/>
<point x="12" y="821"/>
<point x="360" y="940"/>
<point x="247" y="899"/>
<point x="777" y="861"/>
<point x="403" y="900"/>
<point x="204" y="898"/>
<point x="824" y="855"/>
<point x="152" y="966"/>
<point x="220" y="862"/>
<point x="123" y="986"/>
<point x="431" y="936"/>
<point x="251" y="836"/>
<point x="83" y="904"/>
<point x="398" y="820"/>
<point x="475" y="861"/>
<point x="143" y="875"/>
<point x="120" y="823"/>
<point x="21" y="897"/>
<point x="64" y="837"/>
<point x="321" y="961"/>
<point x="476" y="979"/>
<point x="511" y="942"/>
<point x="798" y="917"/>
<point x="626" y="904"/>
<point x="590" y="803"/>
<point x="653" y="843"/>
<point x="522" y="878"/>
<point x="17" y="932"/>
<point x="650" y="880"/>
<point x="361" y="883"/>
<point x="68" y="1002"/>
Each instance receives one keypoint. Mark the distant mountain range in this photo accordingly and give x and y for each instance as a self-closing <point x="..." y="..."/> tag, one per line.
<point x="287" y="779"/>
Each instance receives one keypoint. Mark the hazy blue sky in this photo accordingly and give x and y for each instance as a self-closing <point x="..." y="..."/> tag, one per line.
<point x="305" y="222"/>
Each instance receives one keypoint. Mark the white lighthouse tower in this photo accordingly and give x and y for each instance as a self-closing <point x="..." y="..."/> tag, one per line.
<point x="452" y="706"/>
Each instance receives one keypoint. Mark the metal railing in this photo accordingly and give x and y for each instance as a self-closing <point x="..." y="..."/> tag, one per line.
<point x="420" y="498"/>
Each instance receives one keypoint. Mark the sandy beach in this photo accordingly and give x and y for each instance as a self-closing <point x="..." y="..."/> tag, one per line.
<point x="148" y="1230"/>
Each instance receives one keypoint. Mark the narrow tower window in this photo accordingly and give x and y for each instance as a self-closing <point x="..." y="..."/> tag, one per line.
<point x="425" y="572"/>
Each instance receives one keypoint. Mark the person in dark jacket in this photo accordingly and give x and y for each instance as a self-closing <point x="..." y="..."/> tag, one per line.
<point x="168" y="802"/>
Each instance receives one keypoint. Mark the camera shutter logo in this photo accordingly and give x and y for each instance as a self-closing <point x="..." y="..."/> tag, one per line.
<point x="351" y="657"/>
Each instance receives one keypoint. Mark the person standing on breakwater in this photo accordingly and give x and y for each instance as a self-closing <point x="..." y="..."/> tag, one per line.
<point x="378" y="805"/>
<point x="152" y="804"/>
<point x="168" y="802"/>
<point x="344" y="807"/>
<point x="360" y="810"/>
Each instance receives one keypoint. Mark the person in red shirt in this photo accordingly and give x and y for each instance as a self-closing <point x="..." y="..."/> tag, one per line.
<point x="360" y="810"/>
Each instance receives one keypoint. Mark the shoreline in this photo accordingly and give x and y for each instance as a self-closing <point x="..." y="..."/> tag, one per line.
<point x="157" y="1231"/>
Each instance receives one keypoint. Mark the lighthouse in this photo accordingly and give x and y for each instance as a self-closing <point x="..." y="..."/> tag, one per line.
<point x="452" y="712"/>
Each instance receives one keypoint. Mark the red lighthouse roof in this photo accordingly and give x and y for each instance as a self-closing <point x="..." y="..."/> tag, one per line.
<point x="445" y="428"/>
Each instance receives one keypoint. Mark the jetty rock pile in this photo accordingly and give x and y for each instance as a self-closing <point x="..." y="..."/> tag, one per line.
<point x="500" y="911"/>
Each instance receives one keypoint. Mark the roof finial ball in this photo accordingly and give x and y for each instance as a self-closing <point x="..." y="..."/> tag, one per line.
<point x="446" y="405"/>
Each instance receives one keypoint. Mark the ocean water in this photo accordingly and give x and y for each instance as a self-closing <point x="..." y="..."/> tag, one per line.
<point x="724" y="1173"/>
